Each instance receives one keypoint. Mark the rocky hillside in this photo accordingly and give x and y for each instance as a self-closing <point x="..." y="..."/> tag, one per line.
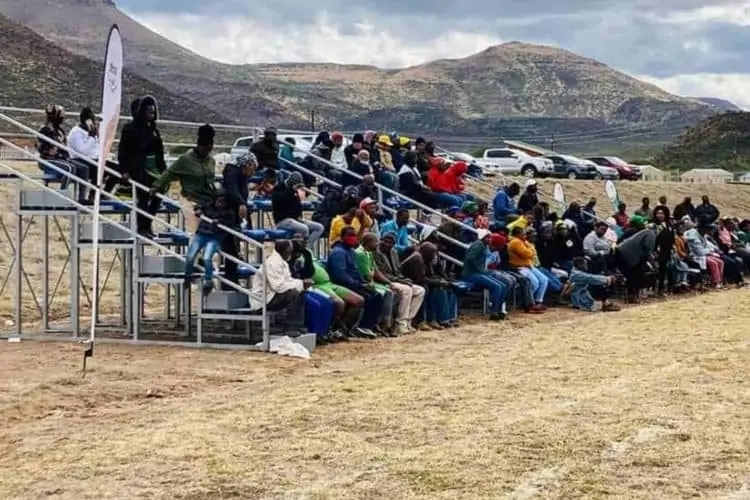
<point x="509" y="90"/>
<point x="57" y="76"/>
<point x="721" y="141"/>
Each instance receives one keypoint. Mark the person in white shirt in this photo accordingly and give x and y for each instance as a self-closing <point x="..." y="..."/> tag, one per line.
<point x="83" y="140"/>
<point x="598" y="248"/>
<point x="283" y="292"/>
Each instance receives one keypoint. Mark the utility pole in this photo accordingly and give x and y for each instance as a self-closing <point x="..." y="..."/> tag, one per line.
<point x="552" y="142"/>
<point x="736" y="155"/>
<point x="312" y="120"/>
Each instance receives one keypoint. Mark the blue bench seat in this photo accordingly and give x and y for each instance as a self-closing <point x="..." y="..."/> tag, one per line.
<point x="462" y="287"/>
<point x="262" y="235"/>
<point x="175" y="237"/>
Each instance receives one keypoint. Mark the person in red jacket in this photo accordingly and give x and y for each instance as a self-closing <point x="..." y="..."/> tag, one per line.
<point x="444" y="181"/>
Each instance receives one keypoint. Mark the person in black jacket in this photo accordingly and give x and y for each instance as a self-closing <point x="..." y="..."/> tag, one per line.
<point x="529" y="199"/>
<point x="141" y="158"/>
<point x="665" y="236"/>
<point x="336" y="201"/>
<point x="59" y="157"/>
<point x="287" y="210"/>
<point x="353" y="149"/>
<point x="411" y="184"/>
<point x="706" y="213"/>
<point x="235" y="179"/>
<point x="685" y="208"/>
<point x="266" y="150"/>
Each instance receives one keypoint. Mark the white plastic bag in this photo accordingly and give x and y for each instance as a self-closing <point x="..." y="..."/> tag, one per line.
<point x="284" y="346"/>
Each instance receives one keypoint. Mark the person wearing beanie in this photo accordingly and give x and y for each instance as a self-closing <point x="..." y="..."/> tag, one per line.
<point x="196" y="172"/>
<point x="338" y="157"/>
<point x="266" y="149"/>
<point x="475" y="272"/>
<point x="140" y="154"/>
<point x="353" y="149"/>
<point x="286" y="208"/>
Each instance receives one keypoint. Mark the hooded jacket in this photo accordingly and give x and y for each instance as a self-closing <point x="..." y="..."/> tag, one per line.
<point x="139" y="142"/>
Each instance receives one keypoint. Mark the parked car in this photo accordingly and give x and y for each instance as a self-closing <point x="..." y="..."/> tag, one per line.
<point x="606" y="173"/>
<point x="303" y="143"/>
<point x="573" y="168"/>
<point x="624" y="169"/>
<point x="510" y="161"/>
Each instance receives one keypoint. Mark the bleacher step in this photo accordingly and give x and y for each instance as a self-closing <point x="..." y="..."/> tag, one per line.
<point x="158" y="265"/>
<point x="46" y="200"/>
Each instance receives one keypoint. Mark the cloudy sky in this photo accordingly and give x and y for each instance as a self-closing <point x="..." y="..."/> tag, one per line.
<point x="688" y="47"/>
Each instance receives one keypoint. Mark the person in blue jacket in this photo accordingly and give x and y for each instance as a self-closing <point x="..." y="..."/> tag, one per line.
<point x="343" y="271"/>
<point x="400" y="227"/>
<point x="503" y="204"/>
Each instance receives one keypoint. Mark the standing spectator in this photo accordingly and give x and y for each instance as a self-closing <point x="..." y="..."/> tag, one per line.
<point x="621" y="217"/>
<point x="706" y="213"/>
<point x="353" y="149"/>
<point x="475" y="272"/>
<point x="632" y="256"/>
<point x="235" y="178"/>
<point x="645" y="209"/>
<point x="140" y="154"/>
<point x="196" y="172"/>
<point x="282" y="291"/>
<point x="410" y="295"/>
<point x="685" y="208"/>
<point x="266" y="150"/>
<point x="529" y="199"/>
<point x="503" y="204"/>
<point x="343" y="270"/>
<point x="665" y="239"/>
<point x="287" y="210"/>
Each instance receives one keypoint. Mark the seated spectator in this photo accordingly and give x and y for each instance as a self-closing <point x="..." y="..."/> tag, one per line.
<point x="282" y="291"/>
<point x="365" y="258"/>
<point x="338" y="158"/>
<point x="343" y="271"/>
<point x="733" y="264"/>
<point x="733" y="240"/>
<point x="286" y="207"/>
<point x="356" y="218"/>
<point x="621" y="217"/>
<point x="371" y="209"/>
<point x="529" y="199"/>
<point x="525" y="221"/>
<point x="481" y="221"/>
<point x="637" y="224"/>
<point x="566" y="246"/>
<point x="318" y="161"/>
<point x="475" y="272"/>
<point x="575" y="214"/>
<point x="208" y="237"/>
<point x="632" y="257"/>
<point x="503" y="205"/>
<point x="411" y="184"/>
<point x="498" y="268"/>
<point x="683" y="264"/>
<point x="59" y="157"/>
<point x="598" y="248"/>
<point x="347" y="304"/>
<point x="400" y="227"/>
<point x="521" y="256"/>
<point x="442" y="179"/>
<point x="441" y="303"/>
<point x="410" y="296"/>
<point x="589" y="212"/>
<point x="585" y="288"/>
<point x="268" y="183"/>
<point x="684" y="209"/>
<point x="554" y="284"/>
<point x="196" y="173"/>
<point x="360" y="166"/>
<point x="645" y="208"/>
<point x="706" y="213"/>
<point x="383" y="162"/>
<point x="336" y="201"/>
<point x="662" y="206"/>
<point x="287" y="161"/>
<point x="614" y="232"/>
<point x="352" y="150"/>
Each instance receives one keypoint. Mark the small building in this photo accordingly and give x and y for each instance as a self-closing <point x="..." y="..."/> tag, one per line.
<point x="651" y="173"/>
<point x="707" y="176"/>
<point x="743" y="177"/>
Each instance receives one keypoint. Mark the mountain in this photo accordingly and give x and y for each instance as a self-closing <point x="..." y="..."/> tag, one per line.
<point x="514" y="90"/>
<point x="54" y="75"/>
<point x="718" y="103"/>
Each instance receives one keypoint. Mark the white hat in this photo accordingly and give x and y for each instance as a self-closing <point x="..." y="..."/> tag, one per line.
<point x="482" y="234"/>
<point x="530" y="182"/>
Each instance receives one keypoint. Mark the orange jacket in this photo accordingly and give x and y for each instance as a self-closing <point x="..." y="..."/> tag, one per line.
<point x="520" y="253"/>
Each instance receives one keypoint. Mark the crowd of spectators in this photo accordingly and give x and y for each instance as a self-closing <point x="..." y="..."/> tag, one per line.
<point x="385" y="272"/>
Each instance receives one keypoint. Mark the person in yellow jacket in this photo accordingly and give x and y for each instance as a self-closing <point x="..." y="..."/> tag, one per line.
<point x="524" y="222"/>
<point x="355" y="218"/>
<point x="521" y="255"/>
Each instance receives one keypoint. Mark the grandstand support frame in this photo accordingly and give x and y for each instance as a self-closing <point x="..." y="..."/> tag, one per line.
<point x="128" y="254"/>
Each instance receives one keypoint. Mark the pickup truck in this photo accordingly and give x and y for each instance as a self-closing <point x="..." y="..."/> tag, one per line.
<point x="511" y="161"/>
<point x="242" y="145"/>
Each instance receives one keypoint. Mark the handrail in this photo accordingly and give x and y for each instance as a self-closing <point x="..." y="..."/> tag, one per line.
<point x="384" y="207"/>
<point x="142" y="212"/>
<point x="346" y="171"/>
<point x="106" y="169"/>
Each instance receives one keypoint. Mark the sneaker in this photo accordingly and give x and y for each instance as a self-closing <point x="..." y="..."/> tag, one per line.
<point x="365" y="333"/>
<point x="497" y="316"/>
<point x="434" y="326"/>
<point x="535" y="309"/>
<point x="400" y="330"/>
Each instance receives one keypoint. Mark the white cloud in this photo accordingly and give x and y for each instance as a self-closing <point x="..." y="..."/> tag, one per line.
<point x="737" y="12"/>
<point x="245" y="40"/>
<point x="733" y="87"/>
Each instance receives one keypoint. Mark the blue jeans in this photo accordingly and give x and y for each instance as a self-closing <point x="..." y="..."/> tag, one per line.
<point x="310" y="230"/>
<point x="554" y="282"/>
<point x="497" y="290"/>
<point x="440" y="305"/>
<point x="371" y="310"/>
<point x="448" y="200"/>
<point x="539" y="282"/>
<point x="210" y="246"/>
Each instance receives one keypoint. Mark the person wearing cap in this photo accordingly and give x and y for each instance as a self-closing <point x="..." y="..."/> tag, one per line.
<point x="383" y="161"/>
<point x="356" y="218"/>
<point x="196" y="173"/>
<point x="475" y="272"/>
<point x="338" y="158"/>
<point x="235" y="178"/>
<point x="266" y="149"/>
<point x="409" y="295"/>
<point x="529" y="199"/>
<point x="286" y="208"/>
<point x="503" y="204"/>
<point x="370" y="207"/>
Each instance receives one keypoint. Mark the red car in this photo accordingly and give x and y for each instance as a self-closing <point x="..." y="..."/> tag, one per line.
<point x="626" y="170"/>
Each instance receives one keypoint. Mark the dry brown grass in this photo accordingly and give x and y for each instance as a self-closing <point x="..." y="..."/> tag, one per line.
<point x="592" y="406"/>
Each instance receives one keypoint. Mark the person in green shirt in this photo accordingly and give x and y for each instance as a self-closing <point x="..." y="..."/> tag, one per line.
<point x="196" y="172"/>
<point x="365" y="257"/>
